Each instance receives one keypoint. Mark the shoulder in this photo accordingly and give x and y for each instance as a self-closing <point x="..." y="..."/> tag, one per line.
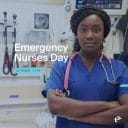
<point x="119" y="65"/>
<point x="61" y="65"/>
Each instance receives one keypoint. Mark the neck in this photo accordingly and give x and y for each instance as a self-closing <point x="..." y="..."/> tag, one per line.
<point x="89" y="56"/>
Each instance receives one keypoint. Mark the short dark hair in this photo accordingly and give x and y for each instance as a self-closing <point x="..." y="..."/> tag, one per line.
<point x="85" y="11"/>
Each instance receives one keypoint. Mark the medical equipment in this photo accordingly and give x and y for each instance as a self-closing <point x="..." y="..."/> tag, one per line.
<point x="14" y="63"/>
<point x="112" y="7"/>
<point x="114" y="81"/>
<point x="9" y="65"/>
<point x="6" y="64"/>
<point x="68" y="5"/>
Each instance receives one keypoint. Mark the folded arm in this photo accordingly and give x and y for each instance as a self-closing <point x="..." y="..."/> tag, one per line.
<point x="111" y="116"/>
<point x="71" y="108"/>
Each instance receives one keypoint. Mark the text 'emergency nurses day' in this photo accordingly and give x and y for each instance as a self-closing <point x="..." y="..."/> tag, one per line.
<point x="41" y="52"/>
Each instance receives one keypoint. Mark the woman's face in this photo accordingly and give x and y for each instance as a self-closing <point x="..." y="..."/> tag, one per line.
<point x="90" y="33"/>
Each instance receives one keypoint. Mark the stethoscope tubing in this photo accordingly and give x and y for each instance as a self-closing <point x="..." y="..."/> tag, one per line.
<point x="68" y="67"/>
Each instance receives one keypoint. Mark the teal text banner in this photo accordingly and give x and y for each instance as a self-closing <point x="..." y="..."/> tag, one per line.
<point x="31" y="71"/>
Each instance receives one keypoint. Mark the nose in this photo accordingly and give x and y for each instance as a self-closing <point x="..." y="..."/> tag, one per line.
<point x="89" y="35"/>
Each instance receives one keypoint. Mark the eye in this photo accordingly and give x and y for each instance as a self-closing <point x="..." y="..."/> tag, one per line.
<point x="83" y="30"/>
<point x="96" y="30"/>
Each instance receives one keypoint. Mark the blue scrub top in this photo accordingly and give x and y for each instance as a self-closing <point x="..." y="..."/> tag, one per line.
<point x="88" y="86"/>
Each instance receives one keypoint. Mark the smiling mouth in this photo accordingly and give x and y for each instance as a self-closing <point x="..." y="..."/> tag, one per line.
<point x="89" y="44"/>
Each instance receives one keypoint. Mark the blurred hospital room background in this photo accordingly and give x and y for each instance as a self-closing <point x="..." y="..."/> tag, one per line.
<point x="44" y="22"/>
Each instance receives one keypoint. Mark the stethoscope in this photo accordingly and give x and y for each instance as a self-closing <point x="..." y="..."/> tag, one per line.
<point x="113" y="82"/>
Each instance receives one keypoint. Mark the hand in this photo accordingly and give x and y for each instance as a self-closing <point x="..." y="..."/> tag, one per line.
<point x="114" y="104"/>
<point x="59" y="93"/>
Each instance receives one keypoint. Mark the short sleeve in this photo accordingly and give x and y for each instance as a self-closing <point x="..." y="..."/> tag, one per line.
<point x="123" y="88"/>
<point x="56" y="78"/>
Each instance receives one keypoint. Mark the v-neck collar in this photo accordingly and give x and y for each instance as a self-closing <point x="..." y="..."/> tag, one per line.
<point x="85" y="66"/>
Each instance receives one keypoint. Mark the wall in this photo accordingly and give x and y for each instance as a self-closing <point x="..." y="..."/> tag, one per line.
<point x="25" y="27"/>
<point x="21" y="102"/>
<point x="25" y="12"/>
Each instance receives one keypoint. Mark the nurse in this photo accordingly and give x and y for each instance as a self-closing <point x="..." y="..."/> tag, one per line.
<point x="96" y="100"/>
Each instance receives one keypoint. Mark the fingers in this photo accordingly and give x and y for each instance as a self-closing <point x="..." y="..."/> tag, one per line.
<point x="59" y="93"/>
<point x="114" y="104"/>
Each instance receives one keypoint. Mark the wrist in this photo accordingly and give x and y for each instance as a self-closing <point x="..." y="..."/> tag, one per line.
<point x="113" y="104"/>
